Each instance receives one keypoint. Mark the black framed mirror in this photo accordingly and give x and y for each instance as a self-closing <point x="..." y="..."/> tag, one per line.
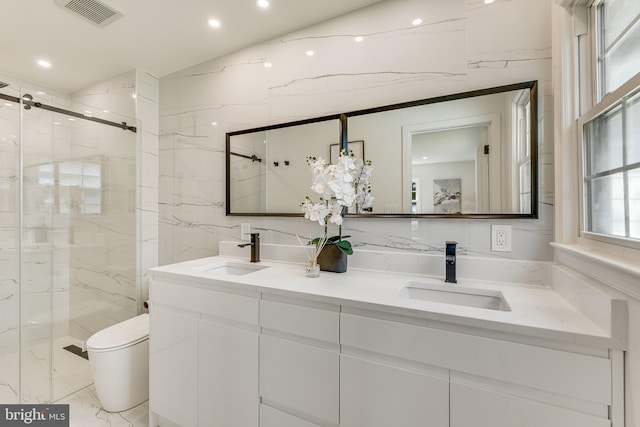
<point x="464" y="155"/>
<point x="266" y="169"/>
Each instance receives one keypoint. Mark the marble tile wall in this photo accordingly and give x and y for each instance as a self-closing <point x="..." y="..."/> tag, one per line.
<point x="460" y="45"/>
<point x="147" y="113"/>
<point x="79" y="265"/>
<point x="9" y="260"/>
<point x="104" y="271"/>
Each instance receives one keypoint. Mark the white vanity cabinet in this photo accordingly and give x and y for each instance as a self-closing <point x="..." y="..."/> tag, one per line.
<point x="203" y="356"/>
<point x="280" y="354"/>
<point x="473" y="406"/>
<point x="483" y="382"/>
<point x="299" y="362"/>
<point x="173" y="365"/>
<point x="381" y="394"/>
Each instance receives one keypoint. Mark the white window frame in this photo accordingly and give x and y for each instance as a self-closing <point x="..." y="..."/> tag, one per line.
<point x="606" y="102"/>
<point x="521" y="151"/>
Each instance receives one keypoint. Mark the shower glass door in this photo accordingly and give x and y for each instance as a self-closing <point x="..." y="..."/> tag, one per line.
<point x="9" y="249"/>
<point x="78" y="264"/>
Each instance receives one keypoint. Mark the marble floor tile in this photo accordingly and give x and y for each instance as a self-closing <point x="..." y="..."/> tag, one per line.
<point x="85" y="411"/>
<point x="70" y="372"/>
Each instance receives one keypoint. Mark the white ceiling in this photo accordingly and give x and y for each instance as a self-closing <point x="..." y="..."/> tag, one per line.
<point x="158" y="36"/>
<point x="453" y="145"/>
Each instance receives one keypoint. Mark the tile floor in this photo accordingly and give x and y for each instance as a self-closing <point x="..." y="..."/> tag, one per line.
<point x="85" y="411"/>
<point x="71" y="373"/>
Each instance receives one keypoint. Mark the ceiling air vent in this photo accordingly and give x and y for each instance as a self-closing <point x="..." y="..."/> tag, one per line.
<point x="91" y="10"/>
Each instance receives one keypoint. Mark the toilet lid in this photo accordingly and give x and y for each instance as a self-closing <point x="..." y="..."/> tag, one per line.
<point x="121" y="334"/>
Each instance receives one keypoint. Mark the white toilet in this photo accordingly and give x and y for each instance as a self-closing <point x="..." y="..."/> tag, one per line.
<point x="119" y="359"/>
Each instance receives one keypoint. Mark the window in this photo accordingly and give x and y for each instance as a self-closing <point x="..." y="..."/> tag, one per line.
<point x="611" y="128"/>
<point x="522" y="152"/>
<point x="77" y="186"/>
<point x="618" y="39"/>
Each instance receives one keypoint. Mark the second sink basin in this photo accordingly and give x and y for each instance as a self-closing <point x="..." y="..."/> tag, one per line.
<point x="457" y="295"/>
<point x="231" y="268"/>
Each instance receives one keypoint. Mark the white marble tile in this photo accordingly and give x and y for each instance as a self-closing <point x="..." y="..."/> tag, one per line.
<point x="85" y="411"/>
<point x="67" y="372"/>
<point x="461" y="45"/>
<point x="426" y="260"/>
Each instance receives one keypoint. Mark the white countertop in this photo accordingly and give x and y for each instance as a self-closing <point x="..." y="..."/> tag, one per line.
<point x="536" y="311"/>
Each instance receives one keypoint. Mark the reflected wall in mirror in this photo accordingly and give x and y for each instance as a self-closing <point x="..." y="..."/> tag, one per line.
<point x="470" y="154"/>
<point x="267" y="172"/>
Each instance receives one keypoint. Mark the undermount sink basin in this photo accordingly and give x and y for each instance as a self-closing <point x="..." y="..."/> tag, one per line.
<point x="457" y="295"/>
<point x="231" y="268"/>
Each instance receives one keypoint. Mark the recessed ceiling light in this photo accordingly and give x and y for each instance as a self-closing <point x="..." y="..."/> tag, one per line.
<point x="214" y="23"/>
<point x="268" y="64"/>
<point x="310" y="53"/>
<point x="417" y="21"/>
<point x="358" y="39"/>
<point x="263" y="3"/>
<point x="44" y="63"/>
<point x="425" y="158"/>
<point x="488" y="1"/>
<point x="214" y="123"/>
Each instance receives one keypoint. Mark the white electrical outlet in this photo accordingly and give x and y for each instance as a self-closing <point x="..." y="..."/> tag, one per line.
<point x="245" y="231"/>
<point x="501" y="238"/>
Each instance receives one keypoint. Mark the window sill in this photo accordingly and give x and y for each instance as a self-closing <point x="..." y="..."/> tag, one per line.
<point x="617" y="271"/>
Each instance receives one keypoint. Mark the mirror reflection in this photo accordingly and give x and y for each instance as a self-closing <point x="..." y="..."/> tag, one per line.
<point x="469" y="154"/>
<point x="267" y="172"/>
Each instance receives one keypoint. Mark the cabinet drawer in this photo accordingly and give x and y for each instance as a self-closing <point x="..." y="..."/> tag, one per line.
<point x="311" y="322"/>
<point x="299" y="376"/>
<point x="377" y="395"/>
<point x="476" y="407"/>
<point x="270" y="417"/>
<point x="223" y="305"/>
<point x="571" y="374"/>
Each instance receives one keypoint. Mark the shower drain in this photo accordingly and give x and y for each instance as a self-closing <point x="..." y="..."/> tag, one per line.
<point x="77" y="351"/>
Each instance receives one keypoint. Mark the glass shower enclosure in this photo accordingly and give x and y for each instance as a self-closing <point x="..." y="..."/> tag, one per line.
<point x="68" y="240"/>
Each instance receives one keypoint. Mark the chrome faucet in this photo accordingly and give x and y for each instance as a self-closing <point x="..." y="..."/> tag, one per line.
<point x="255" y="247"/>
<point x="450" y="262"/>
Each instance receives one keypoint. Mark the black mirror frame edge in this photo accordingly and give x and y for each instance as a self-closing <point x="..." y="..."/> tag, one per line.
<point x="343" y="117"/>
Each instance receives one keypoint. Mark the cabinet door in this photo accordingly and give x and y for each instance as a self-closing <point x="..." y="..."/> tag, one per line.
<point x="376" y="395"/>
<point x="270" y="417"/>
<point x="299" y="376"/>
<point x="228" y="381"/>
<point x="476" y="407"/>
<point x="173" y="365"/>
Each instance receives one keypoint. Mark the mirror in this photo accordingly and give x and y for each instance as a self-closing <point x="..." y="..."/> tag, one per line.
<point x="267" y="172"/>
<point x="467" y="154"/>
<point x="471" y="154"/>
